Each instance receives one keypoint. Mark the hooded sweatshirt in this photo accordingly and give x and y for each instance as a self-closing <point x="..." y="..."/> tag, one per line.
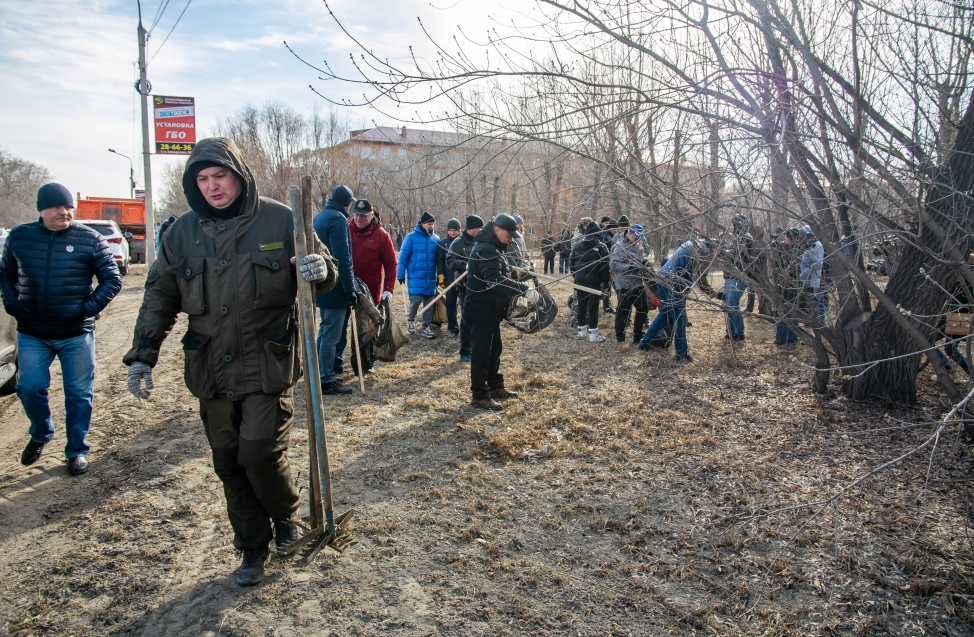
<point x="234" y="279"/>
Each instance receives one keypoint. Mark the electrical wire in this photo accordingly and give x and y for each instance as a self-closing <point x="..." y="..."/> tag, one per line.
<point x="170" y="31"/>
<point x="161" y="10"/>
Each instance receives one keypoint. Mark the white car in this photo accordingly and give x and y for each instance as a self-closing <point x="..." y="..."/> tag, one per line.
<point x="117" y="239"/>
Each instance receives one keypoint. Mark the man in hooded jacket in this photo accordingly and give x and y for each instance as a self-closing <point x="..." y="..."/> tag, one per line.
<point x="489" y="291"/>
<point x="227" y="264"/>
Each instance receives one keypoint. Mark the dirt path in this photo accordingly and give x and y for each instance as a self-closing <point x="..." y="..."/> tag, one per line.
<point x="620" y="495"/>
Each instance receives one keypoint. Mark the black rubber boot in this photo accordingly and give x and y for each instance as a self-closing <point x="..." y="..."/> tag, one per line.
<point x="285" y="532"/>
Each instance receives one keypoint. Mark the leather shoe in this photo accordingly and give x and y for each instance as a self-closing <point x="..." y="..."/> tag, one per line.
<point x="31" y="453"/>
<point x="502" y="393"/>
<point x="285" y="532"/>
<point x="486" y="404"/>
<point x="251" y="570"/>
<point x="77" y="465"/>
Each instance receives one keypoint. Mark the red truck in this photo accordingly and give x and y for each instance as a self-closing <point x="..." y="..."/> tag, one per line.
<point x="129" y="214"/>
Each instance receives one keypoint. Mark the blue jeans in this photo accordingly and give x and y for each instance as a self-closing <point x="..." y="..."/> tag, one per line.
<point x="77" y="356"/>
<point x="672" y="308"/>
<point x="562" y="264"/>
<point x="342" y="344"/>
<point x="330" y="332"/>
<point x="783" y="334"/>
<point x="818" y="301"/>
<point x="734" y="290"/>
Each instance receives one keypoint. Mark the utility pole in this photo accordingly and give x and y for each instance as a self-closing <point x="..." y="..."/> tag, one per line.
<point x="143" y="88"/>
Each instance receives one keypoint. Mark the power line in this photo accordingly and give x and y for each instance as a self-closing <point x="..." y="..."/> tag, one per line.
<point x="170" y="31"/>
<point x="161" y="10"/>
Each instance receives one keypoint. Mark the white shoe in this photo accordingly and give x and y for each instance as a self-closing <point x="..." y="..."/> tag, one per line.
<point x="410" y="327"/>
<point x="428" y="332"/>
<point x="582" y="332"/>
<point x="595" y="337"/>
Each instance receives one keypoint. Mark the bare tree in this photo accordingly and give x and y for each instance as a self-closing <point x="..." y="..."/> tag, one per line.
<point x="19" y="181"/>
<point x="172" y="202"/>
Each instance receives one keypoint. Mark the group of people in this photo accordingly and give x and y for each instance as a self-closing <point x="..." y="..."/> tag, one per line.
<point x="229" y="264"/>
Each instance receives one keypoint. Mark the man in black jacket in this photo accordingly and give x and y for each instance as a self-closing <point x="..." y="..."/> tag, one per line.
<point x="456" y="262"/>
<point x="447" y="276"/>
<point x="489" y="291"/>
<point x="45" y="281"/>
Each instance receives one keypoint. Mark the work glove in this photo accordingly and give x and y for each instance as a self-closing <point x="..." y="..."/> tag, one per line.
<point x="352" y="300"/>
<point x="440" y="279"/>
<point x="721" y="296"/>
<point x="533" y="296"/>
<point x="386" y="296"/>
<point x="139" y="372"/>
<point x="402" y="281"/>
<point x="312" y="268"/>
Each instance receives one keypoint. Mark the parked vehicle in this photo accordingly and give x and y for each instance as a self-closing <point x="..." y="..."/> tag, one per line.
<point x="118" y="240"/>
<point x="129" y="214"/>
<point x="8" y="345"/>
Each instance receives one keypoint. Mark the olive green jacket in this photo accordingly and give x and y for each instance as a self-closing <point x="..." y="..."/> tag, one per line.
<point x="234" y="279"/>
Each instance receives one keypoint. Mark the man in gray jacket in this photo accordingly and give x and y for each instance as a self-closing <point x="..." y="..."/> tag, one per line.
<point x="627" y="267"/>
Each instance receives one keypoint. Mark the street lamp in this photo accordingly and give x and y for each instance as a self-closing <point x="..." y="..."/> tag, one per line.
<point x="131" y="172"/>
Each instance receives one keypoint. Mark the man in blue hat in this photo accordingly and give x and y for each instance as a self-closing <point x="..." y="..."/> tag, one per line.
<point x="45" y="281"/>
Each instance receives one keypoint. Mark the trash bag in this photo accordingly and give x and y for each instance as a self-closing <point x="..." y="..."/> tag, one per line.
<point x="529" y="317"/>
<point x="439" y="314"/>
<point x="390" y="337"/>
<point x="368" y="319"/>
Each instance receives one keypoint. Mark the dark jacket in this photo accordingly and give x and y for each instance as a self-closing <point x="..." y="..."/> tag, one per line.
<point x="234" y="279"/>
<point x="489" y="285"/>
<point x="448" y="275"/>
<point x="372" y="253"/>
<point x="45" y="279"/>
<point x="589" y="261"/>
<point x="548" y="247"/>
<point x="331" y="226"/>
<point x="457" y="255"/>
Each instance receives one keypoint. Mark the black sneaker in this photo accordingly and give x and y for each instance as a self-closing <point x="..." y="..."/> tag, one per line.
<point x="609" y="310"/>
<point x="335" y="388"/>
<point x="285" y="533"/>
<point x="464" y="358"/>
<point x="77" y="465"/>
<point x="683" y="359"/>
<point x="31" y="453"/>
<point x="251" y="570"/>
<point x="740" y="337"/>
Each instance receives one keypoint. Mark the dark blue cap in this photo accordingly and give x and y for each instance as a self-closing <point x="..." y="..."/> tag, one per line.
<point x="342" y="195"/>
<point x="53" y="195"/>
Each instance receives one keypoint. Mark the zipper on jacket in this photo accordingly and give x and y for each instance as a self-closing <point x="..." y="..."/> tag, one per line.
<point x="47" y="278"/>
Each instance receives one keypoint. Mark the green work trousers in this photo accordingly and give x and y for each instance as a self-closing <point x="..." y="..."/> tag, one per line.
<point x="249" y="440"/>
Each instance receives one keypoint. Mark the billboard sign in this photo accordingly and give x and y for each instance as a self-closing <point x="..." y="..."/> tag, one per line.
<point x="175" y="119"/>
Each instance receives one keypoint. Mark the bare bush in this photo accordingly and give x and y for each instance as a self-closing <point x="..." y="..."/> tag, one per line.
<point x="19" y="181"/>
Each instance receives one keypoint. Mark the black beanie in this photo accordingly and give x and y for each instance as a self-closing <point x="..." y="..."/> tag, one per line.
<point x="605" y="219"/>
<point x="453" y="224"/>
<point x="474" y="222"/>
<point x="426" y="218"/>
<point x="53" y="195"/>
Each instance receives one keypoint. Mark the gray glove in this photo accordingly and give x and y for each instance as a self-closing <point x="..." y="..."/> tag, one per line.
<point x="533" y="296"/>
<point x="312" y="268"/>
<point x="139" y="372"/>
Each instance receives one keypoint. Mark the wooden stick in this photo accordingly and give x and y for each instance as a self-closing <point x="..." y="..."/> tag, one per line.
<point x="551" y="279"/>
<point x="358" y="353"/>
<point x="439" y="296"/>
<point x="312" y="375"/>
<point x="405" y="299"/>
<point x="315" y="500"/>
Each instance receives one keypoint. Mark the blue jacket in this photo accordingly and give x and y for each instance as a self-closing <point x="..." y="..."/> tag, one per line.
<point x="45" y="279"/>
<point x="331" y="226"/>
<point x="686" y="267"/>
<point x="811" y="265"/>
<point x="417" y="256"/>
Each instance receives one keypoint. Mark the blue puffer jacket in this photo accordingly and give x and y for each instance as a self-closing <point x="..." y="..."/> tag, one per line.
<point x="45" y="279"/>
<point x="417" y="256"/>
<point x="331" y="226"/>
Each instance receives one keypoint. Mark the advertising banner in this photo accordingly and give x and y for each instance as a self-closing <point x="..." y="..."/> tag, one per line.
<point x="175" y="119"/>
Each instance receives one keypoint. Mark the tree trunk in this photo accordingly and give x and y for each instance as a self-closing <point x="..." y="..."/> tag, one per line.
<point x="950" y="206"/>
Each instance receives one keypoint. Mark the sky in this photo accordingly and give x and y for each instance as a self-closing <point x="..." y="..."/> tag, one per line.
<point x="67" y="68"/>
